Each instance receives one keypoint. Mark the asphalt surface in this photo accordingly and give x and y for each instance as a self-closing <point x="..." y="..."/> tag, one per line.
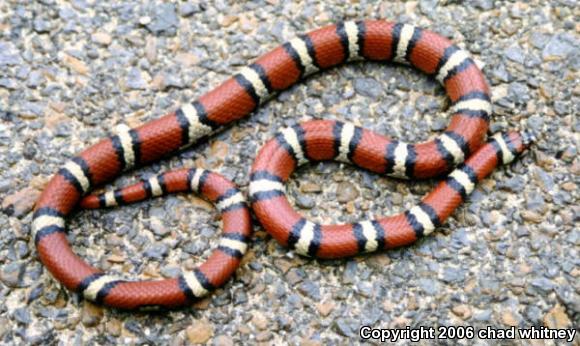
<point x="71" y="71"/>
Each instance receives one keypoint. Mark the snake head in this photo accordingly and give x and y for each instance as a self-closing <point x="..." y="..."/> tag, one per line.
<point x="510" y="145"/>
<point x="518" y="142"/>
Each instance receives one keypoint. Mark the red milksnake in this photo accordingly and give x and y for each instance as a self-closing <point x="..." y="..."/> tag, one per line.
<point x="311" y="141"/>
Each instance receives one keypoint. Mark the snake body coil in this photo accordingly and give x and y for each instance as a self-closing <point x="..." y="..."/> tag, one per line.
<point x="238" y="96"/>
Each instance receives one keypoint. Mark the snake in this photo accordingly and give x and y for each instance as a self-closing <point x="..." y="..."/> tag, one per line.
<point x="461" y="149"/>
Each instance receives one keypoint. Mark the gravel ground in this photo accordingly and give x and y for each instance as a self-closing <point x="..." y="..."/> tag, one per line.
<point x="70" y="71"/>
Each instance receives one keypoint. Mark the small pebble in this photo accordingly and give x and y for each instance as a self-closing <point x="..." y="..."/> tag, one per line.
<point x="346" y="192"/>
<point x="91" y="314"/>
<point x="199" y="332"/>
<point x="21" y="202"/>
<point x="102" y="38"/>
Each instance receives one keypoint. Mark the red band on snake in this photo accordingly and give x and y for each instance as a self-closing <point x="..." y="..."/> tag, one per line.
<point x="239" y="96"/>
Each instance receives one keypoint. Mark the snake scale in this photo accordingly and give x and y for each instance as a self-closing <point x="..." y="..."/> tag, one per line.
<point x="461" y="149"/>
